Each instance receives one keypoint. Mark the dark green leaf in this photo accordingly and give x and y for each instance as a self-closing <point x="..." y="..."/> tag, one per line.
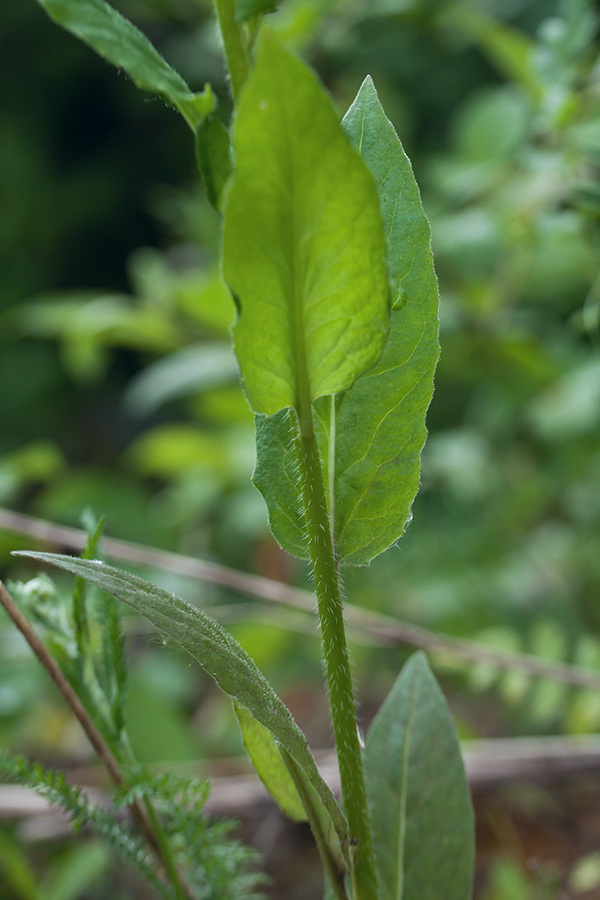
<point x="217" y="652"/>
<point x="418" y="796"/>
<point x="304" y="250"/>
<point x="116" y="39"/>
<point x="213" y="156"/>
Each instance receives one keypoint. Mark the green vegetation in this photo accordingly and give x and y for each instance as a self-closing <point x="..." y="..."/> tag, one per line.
<point x="500" y="114"/>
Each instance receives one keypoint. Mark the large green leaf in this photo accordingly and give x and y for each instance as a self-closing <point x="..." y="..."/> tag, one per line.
<point x="379" y="423"/>
<point x="371" y="437"/>
<point x="219" y="654"/>
<point x="418" y="796"/>
<point x="304" y="250"/>
<point x="116" y="39"/>
<point x="213" y="156"/>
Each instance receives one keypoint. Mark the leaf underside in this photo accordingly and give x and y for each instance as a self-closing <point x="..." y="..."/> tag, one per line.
<point x="303" y="244"/>
<point x="419" y="800"/>
<point x="221" y="657"/>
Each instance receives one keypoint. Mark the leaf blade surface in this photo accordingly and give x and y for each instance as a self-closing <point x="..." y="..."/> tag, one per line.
<point x="418" y="796"/>
<point x="304" y="250"/>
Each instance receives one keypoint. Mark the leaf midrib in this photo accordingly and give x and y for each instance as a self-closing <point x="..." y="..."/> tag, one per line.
<point x="404" y="781"/>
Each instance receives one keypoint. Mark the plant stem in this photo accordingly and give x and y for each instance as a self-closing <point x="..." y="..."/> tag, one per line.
<point x="235" y="45"/>
<point x="339" y="679"/>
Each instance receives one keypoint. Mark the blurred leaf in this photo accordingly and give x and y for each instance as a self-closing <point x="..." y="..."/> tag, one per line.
<point x="226" y="406"/>
<point x="585" y="874"/>
<point x="206" y="300"/>
<point x="303" y="242"/>
<point x="16" y="869"/>
<point x="418" y="796"/>
<point x="168" y="450"/>
<point x="571" y="406"/>
<point x="217" y="652"/>
<point x="196" y="368"/>
<point x="213" y="156"/>
<point x="37" y="461"/>
<point x="116" y="39"/>
<point x="492" y="125"/>
<point x="76" y="871"/>
<point x="158" y="728"/>
<point x="510" y="50"/>
<point x="507" y="881"/>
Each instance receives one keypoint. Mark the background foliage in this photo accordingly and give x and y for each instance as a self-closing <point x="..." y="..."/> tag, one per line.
<point x="120" y="390"/>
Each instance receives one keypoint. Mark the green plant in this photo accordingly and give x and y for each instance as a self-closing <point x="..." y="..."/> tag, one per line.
<point x="326" y="250"/>
<point x="170" y="843"/>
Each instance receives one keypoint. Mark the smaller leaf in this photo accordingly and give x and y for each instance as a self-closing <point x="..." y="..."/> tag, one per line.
<point x="213" y="157"/>
<point x="418" y="796"/>
<point x="266" y="759"/>
<point x="117" y="40"/>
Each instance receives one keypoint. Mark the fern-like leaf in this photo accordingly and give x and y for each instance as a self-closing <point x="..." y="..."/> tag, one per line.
<point x="54" y="787"/>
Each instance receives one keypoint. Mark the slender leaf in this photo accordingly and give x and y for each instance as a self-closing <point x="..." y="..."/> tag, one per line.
<point x="116" y="39"/>
<point x="304" y="250"/>
<point x="379" y="424"/>
<point x="218" y="653"/>
<point x="17" y="872"/>
<point x="418" y="796"/>
<point x="267" y="760"/>
<point x="213" y="156"/>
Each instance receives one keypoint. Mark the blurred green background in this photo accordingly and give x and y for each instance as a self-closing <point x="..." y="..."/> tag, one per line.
<point x="119" y="389"/>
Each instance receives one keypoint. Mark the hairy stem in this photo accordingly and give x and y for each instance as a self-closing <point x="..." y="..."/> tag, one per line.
<point x="235" y="45"/>
<point x="339" y="678"/>
<point x="153" y="835"/>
